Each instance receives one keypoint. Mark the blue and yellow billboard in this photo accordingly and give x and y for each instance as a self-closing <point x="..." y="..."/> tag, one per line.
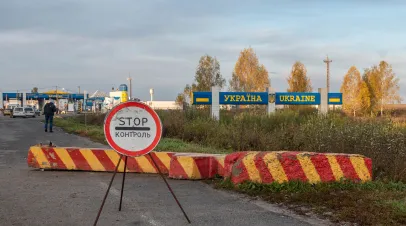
<point x="201" y="98"/>
<point x="297" y="98"/>
<point x="244" y="98"/>
<point x="263" y="98"/>
<point x="335" y="98"/>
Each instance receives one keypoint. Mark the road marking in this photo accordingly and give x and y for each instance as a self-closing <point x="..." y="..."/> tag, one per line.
<point x="117" y="193"/>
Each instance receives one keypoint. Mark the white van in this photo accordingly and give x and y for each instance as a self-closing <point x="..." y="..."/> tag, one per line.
<point x="18" y="112"/>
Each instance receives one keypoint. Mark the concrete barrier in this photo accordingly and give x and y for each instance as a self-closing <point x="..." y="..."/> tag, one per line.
<point x="195" y="166"/>
<point x="91" y="159"/>
<point x="268" y="167"/>
<point x="261" y="167"/>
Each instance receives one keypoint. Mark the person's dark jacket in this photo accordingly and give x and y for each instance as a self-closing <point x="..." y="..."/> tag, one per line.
<point x="49" y="109"/>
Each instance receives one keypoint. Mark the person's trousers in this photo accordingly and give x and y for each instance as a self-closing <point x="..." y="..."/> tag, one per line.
<point x="49" y="119"/>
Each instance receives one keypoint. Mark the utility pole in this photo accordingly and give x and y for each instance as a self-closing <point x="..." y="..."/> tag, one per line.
<point x="328" y="61"/>
<point x="131" y="88"/>
<point x="18" y="98"/>
<point x="56" y="96"/>
<point x="79" y="89"/>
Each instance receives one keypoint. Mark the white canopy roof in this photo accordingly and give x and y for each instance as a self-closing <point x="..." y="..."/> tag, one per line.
<point x="99" y="94"/>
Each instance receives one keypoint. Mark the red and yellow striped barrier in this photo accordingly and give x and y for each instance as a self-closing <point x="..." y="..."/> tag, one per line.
<point x="196" y="166"/>
<point x="268" y="167"/>
<point x="261" y="167"/>
<point x="90" y="159"/>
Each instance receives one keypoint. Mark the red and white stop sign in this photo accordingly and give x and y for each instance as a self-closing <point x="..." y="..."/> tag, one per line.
<point x="133" y="129"/>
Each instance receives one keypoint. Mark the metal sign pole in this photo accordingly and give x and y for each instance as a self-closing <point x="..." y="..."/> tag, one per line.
<point x="122" y="185"/>
<point x="107" y="192"/>
<point x="143" y="124"/>
<point x="169" y="187"/>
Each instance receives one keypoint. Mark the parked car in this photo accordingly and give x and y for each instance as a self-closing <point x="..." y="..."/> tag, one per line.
<point x="18" y="112"/>
<point x="29" y="112"/>
<point x="7" y="111"/>
<point x="37" y="112"/>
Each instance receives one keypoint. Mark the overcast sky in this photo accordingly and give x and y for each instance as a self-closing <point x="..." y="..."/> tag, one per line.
<point x="95" y="44"/>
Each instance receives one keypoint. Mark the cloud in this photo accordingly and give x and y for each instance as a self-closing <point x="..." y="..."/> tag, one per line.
<point x="97" y="43"/>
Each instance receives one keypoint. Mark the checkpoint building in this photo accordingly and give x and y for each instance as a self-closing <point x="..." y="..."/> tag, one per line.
<point x="63" y="100"/>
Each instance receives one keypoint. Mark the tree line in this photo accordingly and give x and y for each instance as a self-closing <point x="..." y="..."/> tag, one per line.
<point x="362" y="95"/>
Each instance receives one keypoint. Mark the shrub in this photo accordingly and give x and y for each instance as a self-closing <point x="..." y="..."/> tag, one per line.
<point x="246" y="130"/>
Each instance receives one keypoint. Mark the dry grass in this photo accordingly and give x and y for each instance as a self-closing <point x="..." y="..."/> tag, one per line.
<point x="372" y="203"/>
<point x="95" y="133"/>
<point x="382" y="202"/>
<point x="381" y="140"/>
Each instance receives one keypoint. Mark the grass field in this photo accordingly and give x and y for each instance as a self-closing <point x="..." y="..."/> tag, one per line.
<point x="381" y="139"/>
<point x="95" y="133"/>
<point x="372" y="203"/>
<point x="381" y="202"/>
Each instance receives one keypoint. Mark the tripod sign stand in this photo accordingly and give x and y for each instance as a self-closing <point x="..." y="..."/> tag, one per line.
<point x="133" y="129"/>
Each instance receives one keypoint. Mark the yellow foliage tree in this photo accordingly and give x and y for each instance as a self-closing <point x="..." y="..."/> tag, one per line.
<point x="363" y="97"/>
<point x="350" y="89"/>
<point x="383" y="86"/>
<point x="249" y="75"/>
<point x="298" y="80"/>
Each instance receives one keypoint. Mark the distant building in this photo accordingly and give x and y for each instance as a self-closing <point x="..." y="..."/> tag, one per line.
<point x="163" y="105"/>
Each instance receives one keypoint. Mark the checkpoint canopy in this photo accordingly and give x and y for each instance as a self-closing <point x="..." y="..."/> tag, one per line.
<point x="133" y="129"/>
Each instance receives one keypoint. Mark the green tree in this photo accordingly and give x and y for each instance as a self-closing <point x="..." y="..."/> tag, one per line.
<point x="383" y="86"/>
<point x="34" y="90"/>
<point x="249" y="75"/>
<point x="350" y="89"/>
<point x="185" y="96"/>
<point x="208" y="74"/>
<point x="298" y="80"/>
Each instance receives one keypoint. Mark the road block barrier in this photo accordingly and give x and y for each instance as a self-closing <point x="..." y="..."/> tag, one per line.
<point x="91" y="159"/>
<point x="195" y="166"/>
<point x="260" y="167"/>
<point x="283" y="166"/>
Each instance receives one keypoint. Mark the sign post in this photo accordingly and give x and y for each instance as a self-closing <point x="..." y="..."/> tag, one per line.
<point x="271" y="101"/>
<point x="1" y="101"/>
<point x="215" y="105"/>
<point x="133" y="129"/>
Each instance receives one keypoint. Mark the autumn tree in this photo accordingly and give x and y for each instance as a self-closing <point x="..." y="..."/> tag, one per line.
<point x="363" y="97"/>
<point x="207" y="75"/>
<point x="350" y="89"/>
<point x="298" y="80"/>
<point x="185" y="96"/>
<point x="180" y="99"/>
<point x="249" y="75"/>
<point x="34" y="90"/>
<point x="383" y="86"/>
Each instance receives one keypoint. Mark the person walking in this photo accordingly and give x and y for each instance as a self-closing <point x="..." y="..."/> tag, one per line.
<point x="49" y="111"/>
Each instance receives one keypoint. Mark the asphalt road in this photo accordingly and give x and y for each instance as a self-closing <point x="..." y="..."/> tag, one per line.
<point x="33" y="197"/>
